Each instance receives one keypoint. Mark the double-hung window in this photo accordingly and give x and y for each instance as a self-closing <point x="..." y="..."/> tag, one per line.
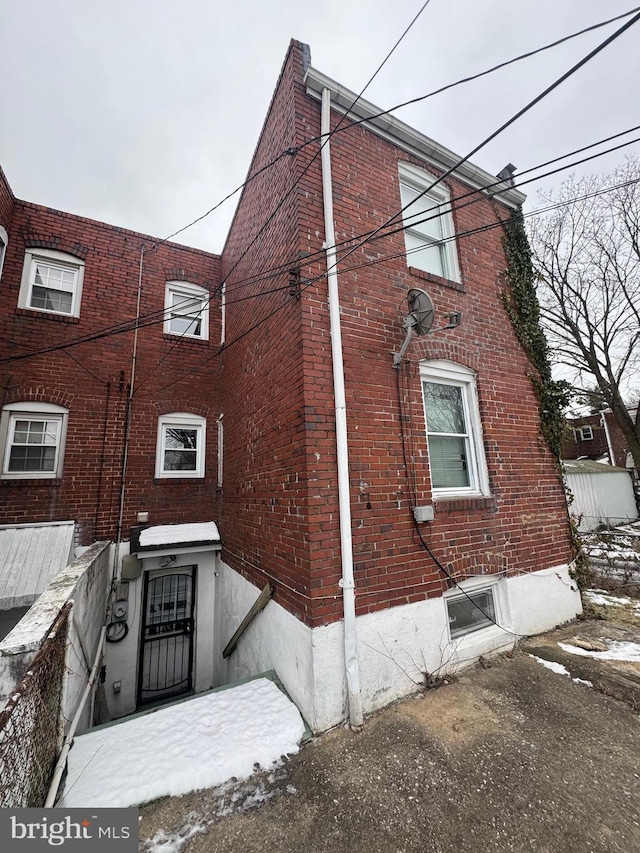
<point x="454" y="432"/>
<point x="181" y="444"/>
<point x="4" y="240"/>
<point x="428" y="223"/>
<point x="33" y="438"/>
<point x="51" y="282"/>
<point x="186" y="310"/>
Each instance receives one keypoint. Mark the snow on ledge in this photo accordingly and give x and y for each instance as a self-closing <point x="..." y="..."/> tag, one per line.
<point x="173" y="534"/>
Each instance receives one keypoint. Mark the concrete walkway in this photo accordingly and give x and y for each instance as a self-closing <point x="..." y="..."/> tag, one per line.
<point x="512" y="757"/>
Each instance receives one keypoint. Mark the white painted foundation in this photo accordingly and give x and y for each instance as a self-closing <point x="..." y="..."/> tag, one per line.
<point x="396" y="647"/>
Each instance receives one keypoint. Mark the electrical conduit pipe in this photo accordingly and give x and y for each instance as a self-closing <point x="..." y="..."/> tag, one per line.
<point x="344" y="501"/>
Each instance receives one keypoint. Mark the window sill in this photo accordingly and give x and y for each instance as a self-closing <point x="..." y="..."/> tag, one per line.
<point x="31" y="482"/>
<point x="436" y="279"/>
<point x="46" y="315"/>
<point x="167" y="479"/>
<point x="451" y="503"/>
<point x="172" y="337"/>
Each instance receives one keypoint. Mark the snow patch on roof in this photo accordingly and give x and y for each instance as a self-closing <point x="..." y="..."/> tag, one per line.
<point x="173" y="534"/>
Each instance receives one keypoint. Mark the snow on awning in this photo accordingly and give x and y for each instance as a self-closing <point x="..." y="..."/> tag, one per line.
<point x="31" y="555"/>
<point x="163" y="536"/>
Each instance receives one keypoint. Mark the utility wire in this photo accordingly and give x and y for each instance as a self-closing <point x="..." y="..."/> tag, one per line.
<point x="500" y="130"/>
<point x="340" y="127"/>
<point x="483" y="193"/>
<point x="159" y="316"/>
<point x="470" y="232"/>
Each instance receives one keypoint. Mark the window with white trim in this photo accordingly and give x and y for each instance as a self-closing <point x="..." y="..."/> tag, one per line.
<point x="186" y="310"/>
<point x="181" y="444"/>
<point x="33" y="436"/>
<point x="454" y="431"/>
<point x="586" y="433"/>
<point x="51" y="282"/>
<point x="470" y="611"/>
<point x="4" y="241"/>
<point x="428" y="223"/>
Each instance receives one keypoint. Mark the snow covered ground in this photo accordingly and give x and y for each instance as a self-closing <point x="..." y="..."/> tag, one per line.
<point x="200" y="743"/>
<point x="559" y="669"/>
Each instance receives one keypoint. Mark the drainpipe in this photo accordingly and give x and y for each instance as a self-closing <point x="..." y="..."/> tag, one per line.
<point x="344" y="501"/>
<point x="603" y="421"/>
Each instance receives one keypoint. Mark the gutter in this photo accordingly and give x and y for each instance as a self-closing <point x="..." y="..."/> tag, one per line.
<point x="406" y="137"/>
<point x="344" y="500"/>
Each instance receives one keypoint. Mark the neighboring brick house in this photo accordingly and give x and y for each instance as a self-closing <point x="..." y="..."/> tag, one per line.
<point x="315" y="494"/>
<point x="594" y="437"/>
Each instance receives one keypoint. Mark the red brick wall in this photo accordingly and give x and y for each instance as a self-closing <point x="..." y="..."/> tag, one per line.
<point x="523" y="525"/>
<point x="92" y="379"/>
<point x="575" y="447"/>
<point x="281" y="510"/>
<point x="264" y="511"/>
<point x="6" y="202"/>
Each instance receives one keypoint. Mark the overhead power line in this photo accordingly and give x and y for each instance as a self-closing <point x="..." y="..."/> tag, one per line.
<point x="574" y="68"/>
<point x="159" y="316"/>
<point x="469" y="233"/>
<point x="343" y="127"/>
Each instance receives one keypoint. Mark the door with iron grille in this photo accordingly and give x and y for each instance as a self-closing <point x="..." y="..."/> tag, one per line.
<point x="166" y="653"/>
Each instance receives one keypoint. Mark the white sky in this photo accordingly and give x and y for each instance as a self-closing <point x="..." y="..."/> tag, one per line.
<point x="144" y="113"/>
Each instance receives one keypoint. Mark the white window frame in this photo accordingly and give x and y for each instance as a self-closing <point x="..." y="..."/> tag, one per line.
<point x="470" y="587"/>
<point x="4" y="242"/>
<point x="30" y="411"/>
<point x="420" y="180"/>
<point x="449" y="373"/>
<point x="188" y="291"/>
<point x="586" y="433"/>
<point x="58" y="260"/>
<point x="181" y="420"/>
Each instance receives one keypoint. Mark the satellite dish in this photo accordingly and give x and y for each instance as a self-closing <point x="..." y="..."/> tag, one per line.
<point x="419" y="319"/>
<point x="421" y="311"/>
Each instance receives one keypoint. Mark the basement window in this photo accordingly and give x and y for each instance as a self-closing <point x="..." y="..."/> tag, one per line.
<point x="470" y="612"/>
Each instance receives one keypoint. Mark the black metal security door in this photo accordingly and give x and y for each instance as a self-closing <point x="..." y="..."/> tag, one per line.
<point x="166" y="654"/>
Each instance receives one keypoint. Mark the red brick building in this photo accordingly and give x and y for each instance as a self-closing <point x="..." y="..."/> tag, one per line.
<point x="595" y="437"/>
<point x="408" y="516"/>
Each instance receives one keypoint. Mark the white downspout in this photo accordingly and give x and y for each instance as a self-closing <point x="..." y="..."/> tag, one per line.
<point x="344" y="501"/>
<point x="603" y="421"/>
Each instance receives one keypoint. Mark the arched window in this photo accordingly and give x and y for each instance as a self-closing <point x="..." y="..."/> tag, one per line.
<point x="33" y="436"/>
<point x="181" y="445"/>
<point x="454" y="431"/>
<point x="186" y="310"/>
<point x="51" y="282"/>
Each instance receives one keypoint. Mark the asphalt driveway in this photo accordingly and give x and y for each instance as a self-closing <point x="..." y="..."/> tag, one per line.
<point x="512" y="757"/>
